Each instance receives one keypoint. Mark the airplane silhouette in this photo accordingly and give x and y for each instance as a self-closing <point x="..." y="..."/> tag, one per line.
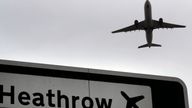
<point x="131" y="102"/>
<point x="148" y="25"/>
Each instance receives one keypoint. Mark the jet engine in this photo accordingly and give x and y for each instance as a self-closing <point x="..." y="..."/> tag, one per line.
<point x="160" y="21"/>
<point x="136" y="23"/>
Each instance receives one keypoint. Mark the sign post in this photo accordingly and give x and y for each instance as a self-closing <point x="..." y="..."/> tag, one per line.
<point x="30" y="85"/>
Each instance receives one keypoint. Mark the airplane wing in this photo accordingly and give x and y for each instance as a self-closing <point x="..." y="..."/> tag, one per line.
<point x="135" y="106"/>
<point x="158" y="24"/>
<point x="124" y="95"/>
<point x="138" y="98"/>
<point x="136" y="26"/>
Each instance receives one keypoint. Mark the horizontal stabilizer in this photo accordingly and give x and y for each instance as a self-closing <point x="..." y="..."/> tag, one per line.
<point x="149" y="45"/>
<point x="143" y="46"/>
<point x="155" y="45"/>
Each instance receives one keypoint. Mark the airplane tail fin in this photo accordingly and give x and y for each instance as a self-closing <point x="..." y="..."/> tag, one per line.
<point x="149" y="45"/>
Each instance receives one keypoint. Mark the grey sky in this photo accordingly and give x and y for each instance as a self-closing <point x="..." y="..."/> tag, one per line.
<point x="78" y="33"/>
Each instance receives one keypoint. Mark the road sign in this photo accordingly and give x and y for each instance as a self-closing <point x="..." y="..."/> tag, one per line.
<point x="30" y="85"/>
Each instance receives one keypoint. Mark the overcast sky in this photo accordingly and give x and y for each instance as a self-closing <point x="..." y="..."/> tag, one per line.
<point x="78" y="33"/>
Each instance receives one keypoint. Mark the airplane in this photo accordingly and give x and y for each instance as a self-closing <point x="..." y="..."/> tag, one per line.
<point x="131" y="102"/>
<point x="148" y="25"/>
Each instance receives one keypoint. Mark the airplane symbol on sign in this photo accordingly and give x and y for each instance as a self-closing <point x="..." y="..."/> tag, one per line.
<point x="131" y="102"/>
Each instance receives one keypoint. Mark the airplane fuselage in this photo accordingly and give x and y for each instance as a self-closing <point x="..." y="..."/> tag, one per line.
<point x="148" y="21"/>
